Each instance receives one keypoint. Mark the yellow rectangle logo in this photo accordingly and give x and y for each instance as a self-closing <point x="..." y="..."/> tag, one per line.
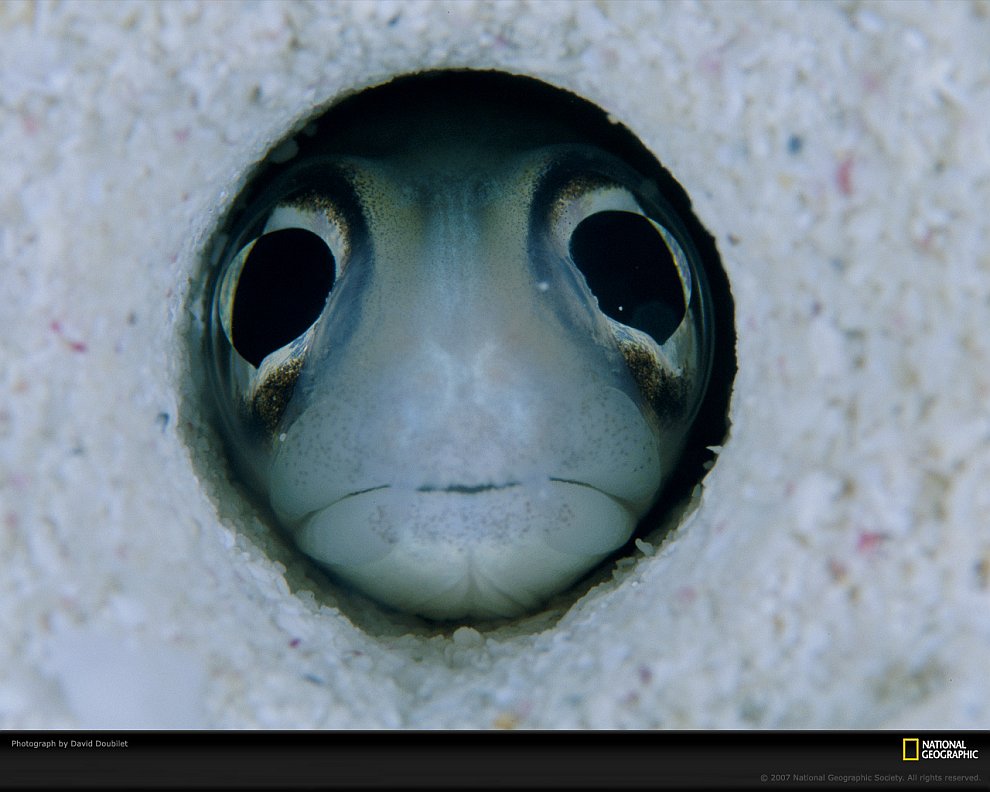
<point x="911" y="749"/>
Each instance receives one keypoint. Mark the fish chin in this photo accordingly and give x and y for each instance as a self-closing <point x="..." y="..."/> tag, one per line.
<point x="452" y="554"/>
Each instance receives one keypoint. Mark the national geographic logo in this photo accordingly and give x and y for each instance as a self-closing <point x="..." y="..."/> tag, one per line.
<point x="914" y="749"/>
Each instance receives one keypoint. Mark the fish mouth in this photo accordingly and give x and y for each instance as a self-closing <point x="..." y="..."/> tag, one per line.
<point x="468" y="489"/>
<point x="471" y="489"/>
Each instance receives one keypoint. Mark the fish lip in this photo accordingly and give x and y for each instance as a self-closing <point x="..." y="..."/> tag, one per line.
<point x="457" y="489"/>
<point x="470" y="489"/>
<point x="467" y="489"/>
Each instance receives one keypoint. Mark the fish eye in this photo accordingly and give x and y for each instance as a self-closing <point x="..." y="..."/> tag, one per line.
<point x="282" y="283"/>
<point x="630" y="264"/>
<point x="276" y="284"/>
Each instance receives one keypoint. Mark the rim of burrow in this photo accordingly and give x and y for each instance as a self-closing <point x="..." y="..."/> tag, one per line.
<point x="253" y="520"/>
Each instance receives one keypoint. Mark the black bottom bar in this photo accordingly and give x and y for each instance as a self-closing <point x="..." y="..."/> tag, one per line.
<point x="480" y="760"/>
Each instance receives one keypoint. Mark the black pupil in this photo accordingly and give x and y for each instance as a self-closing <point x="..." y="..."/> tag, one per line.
<point x="631" y="271"/>
<point x="281" y="291"/>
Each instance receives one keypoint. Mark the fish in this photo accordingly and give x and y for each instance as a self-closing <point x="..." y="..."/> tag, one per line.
<point x="458" y="343"/>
